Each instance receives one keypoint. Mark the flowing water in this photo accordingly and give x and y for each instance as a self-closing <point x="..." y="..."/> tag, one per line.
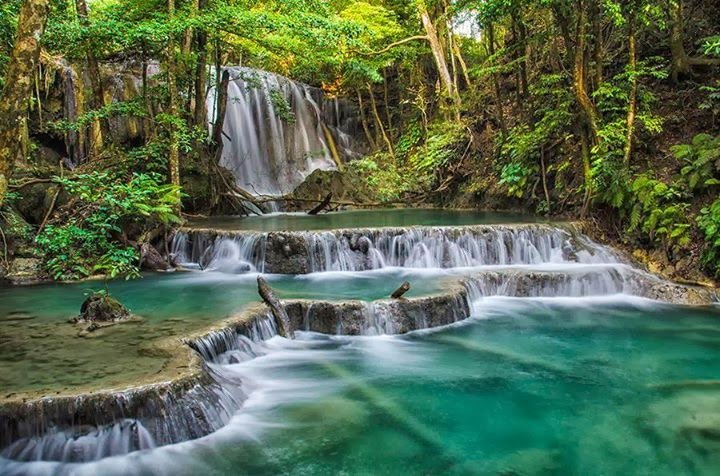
<point x="562" y="368"/>
<point x="172" y="305"/>
<point x="277" y="131"/>
<point x="539" y="386"/>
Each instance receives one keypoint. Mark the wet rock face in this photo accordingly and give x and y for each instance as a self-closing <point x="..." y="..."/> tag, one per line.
<point x="151" y="259"/>
<point x="25" y="271"/>
<point x="100" y="307"/>
<point x="391" y="317"/>
<point x="286" y="253"/>
<point x="680" y="294"/>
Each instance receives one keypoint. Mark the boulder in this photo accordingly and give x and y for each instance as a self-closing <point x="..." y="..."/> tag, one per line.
<point x="25" y="271"/>
<point x="151" y="259"/>
<point x="100" y="307"/>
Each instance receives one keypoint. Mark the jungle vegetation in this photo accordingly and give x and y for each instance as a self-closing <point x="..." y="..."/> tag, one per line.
<point x="602" y="109"/>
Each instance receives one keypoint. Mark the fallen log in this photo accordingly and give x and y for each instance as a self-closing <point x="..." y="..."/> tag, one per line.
<point x="398" y="294"/>
<point x="282" y="321"/>
<point x="322" y="205"/>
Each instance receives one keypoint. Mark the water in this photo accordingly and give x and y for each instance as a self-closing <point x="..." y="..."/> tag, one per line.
<point x="394" y="217"/>
<point x="303" y="252"/>
<point x="271" y="154"/>
<point x="527" y="386"/>
<point x="562" y="368"/>
<point x="33" y="318"/>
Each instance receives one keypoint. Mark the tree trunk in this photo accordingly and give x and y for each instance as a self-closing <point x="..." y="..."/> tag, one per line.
<point x="174" y="152"/>
<point x="680" y="61"/>
<point x="543" y="171"/>
<point x="100" y="129"/>
<point x="632" y="102"/>
<point x="439" y="56"/>
<point x="580" y="74"/>
<point x="590" y="133"/>
<point x="322" y="205"/>
<point x="598" y="53"/>
<point x="188" y="34"/>
<point x="219" y="119"/>
<point x="15" y="97"/>
<point x="200" y="113"/>
<point x="587" y="171"/>
<point x="364" y="122"/>
<point x="496" y="83"/>
<point x="378" y="120"/>
<point x="282" y="320"/>
<point x="398" y="293"/>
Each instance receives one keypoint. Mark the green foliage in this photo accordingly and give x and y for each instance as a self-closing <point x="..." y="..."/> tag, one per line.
<point x="702" y="161"/>
<point x="132" y="108"/>
<point x="443" y="144"/>
<point x="659" y="211"/>
<point x="383" y="177"/>
<point x="91" y="242"/>
<point x="281" y="106"/>
<point x="709" y="223"/>
<point x="609" y="173"/>
<point x="8" y="24"/>
<point x="516" y="176"/>
<point x="522" y="148"/>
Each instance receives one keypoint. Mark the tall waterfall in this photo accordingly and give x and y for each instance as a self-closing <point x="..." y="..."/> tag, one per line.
<point x="277" y="131"/>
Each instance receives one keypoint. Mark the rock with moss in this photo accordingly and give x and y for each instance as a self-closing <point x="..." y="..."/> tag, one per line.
<point x="100" y="308"/>
<point x="23" y="271"/>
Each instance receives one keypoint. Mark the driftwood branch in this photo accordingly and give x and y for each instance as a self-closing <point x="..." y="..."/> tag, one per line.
<point x="282" y="321"/>
<point x="19" y="185"/>
<point x="322" y="205"/>
<point x="404" y="287"/>
<point x="50" y="209"/>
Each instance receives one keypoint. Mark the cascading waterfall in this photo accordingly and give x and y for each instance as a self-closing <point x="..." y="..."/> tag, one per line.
<point x="277" y="131"/>
<point x="520" y="261"/>
<point x="121" y="438"/>
<point x="359" y="250"/>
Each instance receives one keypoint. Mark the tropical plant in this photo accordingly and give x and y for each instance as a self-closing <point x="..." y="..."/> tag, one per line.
<point x="92" y="241"/>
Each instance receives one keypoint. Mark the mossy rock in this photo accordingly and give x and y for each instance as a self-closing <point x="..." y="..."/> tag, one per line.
<point x="100" y="307"/>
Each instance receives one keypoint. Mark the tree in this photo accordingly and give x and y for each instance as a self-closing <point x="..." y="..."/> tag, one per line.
<point x="17" y="92"/>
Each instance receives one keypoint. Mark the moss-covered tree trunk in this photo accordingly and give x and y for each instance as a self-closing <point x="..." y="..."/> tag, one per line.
<point x="680" y="61"/>
<point x="174" y="152"/>
<point x="100" y="129"/>
<point x="632" y="100"/>
<point x="16" y="95"/>
<point x="201" y="41"/>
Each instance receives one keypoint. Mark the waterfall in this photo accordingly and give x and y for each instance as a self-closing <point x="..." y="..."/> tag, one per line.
<point x="359" y="250"/>
<point x="277" y="131"/>
<point x="121" y="438"/>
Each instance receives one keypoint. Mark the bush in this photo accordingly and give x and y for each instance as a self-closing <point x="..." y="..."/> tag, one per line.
<point x="90" y="240"/>
<point x="658" y="210"/>
<point x="709" y="223"/>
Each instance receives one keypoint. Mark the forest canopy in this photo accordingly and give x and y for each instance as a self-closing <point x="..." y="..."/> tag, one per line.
<point x="603" y="109"/>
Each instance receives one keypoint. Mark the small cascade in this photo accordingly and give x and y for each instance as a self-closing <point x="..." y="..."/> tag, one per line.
<point x="277" y="131"/>
<point x="365" y="249"/>
<point x="235" y="345"/>
<point x="217" y="253"/>
<point x="568" y="282"/>
<point x="121" y="438"/>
